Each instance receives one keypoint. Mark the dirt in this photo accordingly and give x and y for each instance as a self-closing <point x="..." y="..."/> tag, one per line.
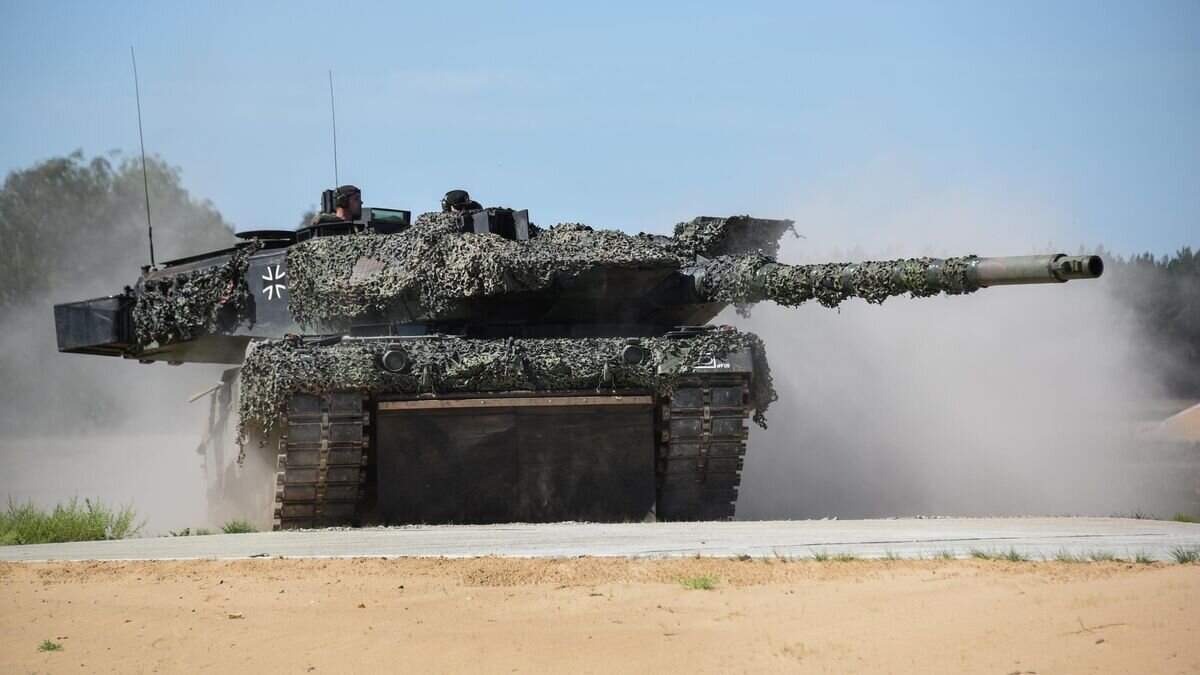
<point x="599" y="615"/>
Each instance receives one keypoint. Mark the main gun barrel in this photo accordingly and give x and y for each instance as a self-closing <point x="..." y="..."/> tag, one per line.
<point x="752" y="278"/>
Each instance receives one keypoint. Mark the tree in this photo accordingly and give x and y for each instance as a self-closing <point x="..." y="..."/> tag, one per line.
<point x="72" y="225"/>
<point x="1163" y="295"/>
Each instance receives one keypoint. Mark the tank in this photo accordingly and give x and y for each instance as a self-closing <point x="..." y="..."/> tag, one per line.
<point x="476" y="368"/>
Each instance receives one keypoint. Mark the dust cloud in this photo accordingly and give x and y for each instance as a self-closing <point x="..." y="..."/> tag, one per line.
<point x="85" y="426"/>
<point x="1011" y="401"/>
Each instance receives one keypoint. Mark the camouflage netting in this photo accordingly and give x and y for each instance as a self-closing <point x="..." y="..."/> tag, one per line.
<point x="711" y="237"/>
<point x="188" y="305"/>
<point x="335" y="279"/>
<point x="754" y="278"/>
<point x="273" y="371"/>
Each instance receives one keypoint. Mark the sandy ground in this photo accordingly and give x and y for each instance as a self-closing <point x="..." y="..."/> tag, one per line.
<point x="599" y="615"/>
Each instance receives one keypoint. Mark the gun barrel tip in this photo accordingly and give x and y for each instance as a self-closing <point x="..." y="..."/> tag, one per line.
<point x="1095" y="266"/>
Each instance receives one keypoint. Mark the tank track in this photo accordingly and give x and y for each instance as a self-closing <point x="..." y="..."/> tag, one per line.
<point x="321" y="470"/>
<point x="703" y="433"/>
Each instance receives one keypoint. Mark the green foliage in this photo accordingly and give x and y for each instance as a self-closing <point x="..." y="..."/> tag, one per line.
<point x="1104" y="556"/>
<point x="703" y="582"/>
<point x="79" y="225"/>
<point x="845" y="556"/>
<point x="820" y="556"/>
<point x="1064" y="556"/>
<point x="1163" y="296"/>
<point x="1143" y="558"/>
<point x="891" y="555"/>
<point x="1011" y="555"/>
<point x="1186" y="554"/>
<point x="944" y="554"/>
<point x="189" y="532"/>
<point x="238" y="527"/>
<point x="50" y="646"/>
<point x="1183" y="518"/>
<point x="92" y="521"/>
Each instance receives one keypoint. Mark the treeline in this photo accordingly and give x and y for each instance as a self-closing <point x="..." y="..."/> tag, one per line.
<point x="77" y="225"/>
<point x="1163" y="296"/>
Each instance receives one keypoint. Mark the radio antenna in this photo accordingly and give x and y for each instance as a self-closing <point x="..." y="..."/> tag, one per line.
<point x="142" y="140"/>
<point x="333" y="115"/>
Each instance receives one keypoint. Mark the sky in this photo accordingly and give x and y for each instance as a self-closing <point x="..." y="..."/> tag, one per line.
<point x="1069" y="124"/>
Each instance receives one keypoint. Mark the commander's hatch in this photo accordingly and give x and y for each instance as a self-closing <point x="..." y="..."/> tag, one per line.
<point x="374" y="219"/>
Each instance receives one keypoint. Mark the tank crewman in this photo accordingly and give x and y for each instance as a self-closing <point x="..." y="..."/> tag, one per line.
<point x="347" y="201"/>
<point x="457" y="201"/>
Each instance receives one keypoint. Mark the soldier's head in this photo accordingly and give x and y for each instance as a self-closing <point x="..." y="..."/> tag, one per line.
<point x="348" y="200"/>
<point x="457" y="201"/>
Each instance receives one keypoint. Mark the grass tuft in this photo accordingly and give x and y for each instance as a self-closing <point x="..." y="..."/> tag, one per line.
<point x="238" y="527"/>
<point x="1143" y="558"/>
<point x="1186" y="554"/>
<point x="1064" y="556"/>
<point x="944" y="554"/>
<point x="91" y="521"/>
<point x="1014" y="555"/>
<point x="845" y="556"/>
<point x="1104" y="556"/>
<point x="820" y="556"/>
<point x="889" y="554"/>
<point x="1182" y="517"/>
<point x="703" y="582"/>
<point x="189" y="532"/>
<point x="50" y="646"/>
<point x="743" y="557"/>
<point x="1136" y="514"/>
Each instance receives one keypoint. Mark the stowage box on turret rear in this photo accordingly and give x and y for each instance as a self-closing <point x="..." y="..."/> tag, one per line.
<point x="475" y="368"/>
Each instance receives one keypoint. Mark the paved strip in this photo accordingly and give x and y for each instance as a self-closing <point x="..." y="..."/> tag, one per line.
<point x="906" y="538"/>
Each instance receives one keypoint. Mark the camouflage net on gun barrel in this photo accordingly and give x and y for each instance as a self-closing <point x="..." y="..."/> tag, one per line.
<point x="273" y="371"/>
<point x="188" y="305"/>
<point x="748" y="279"/>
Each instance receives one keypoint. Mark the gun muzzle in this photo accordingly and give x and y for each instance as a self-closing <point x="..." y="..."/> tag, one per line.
<point x="1036" y="269"/>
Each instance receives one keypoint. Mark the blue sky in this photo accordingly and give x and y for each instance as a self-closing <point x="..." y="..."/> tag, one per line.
<point x="872" y="124"/>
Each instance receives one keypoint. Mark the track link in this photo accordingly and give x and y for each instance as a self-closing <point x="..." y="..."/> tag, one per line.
<point x="703" y="433"/>
<point x="320" y="474"/>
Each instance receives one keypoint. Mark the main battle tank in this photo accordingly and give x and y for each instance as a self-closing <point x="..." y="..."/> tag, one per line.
<point x="475" y="368"/>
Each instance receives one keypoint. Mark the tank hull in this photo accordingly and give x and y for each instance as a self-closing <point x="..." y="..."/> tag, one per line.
<point x="390" y="451"/>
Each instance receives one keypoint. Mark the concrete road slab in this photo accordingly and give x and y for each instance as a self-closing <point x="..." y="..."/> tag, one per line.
<point x="1036" y="538"/>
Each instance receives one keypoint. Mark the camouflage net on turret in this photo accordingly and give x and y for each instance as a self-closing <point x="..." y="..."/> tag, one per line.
<point x="749" y="279"/>
<point x="188" y="305"/>
<point x="273" y="371"/>
<point x="335" y="279"/>
<point x="711" y="237"/>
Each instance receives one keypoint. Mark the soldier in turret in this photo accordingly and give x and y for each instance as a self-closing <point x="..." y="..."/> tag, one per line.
<point x="457" y="201"/>
<point x="347" y="201"/>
